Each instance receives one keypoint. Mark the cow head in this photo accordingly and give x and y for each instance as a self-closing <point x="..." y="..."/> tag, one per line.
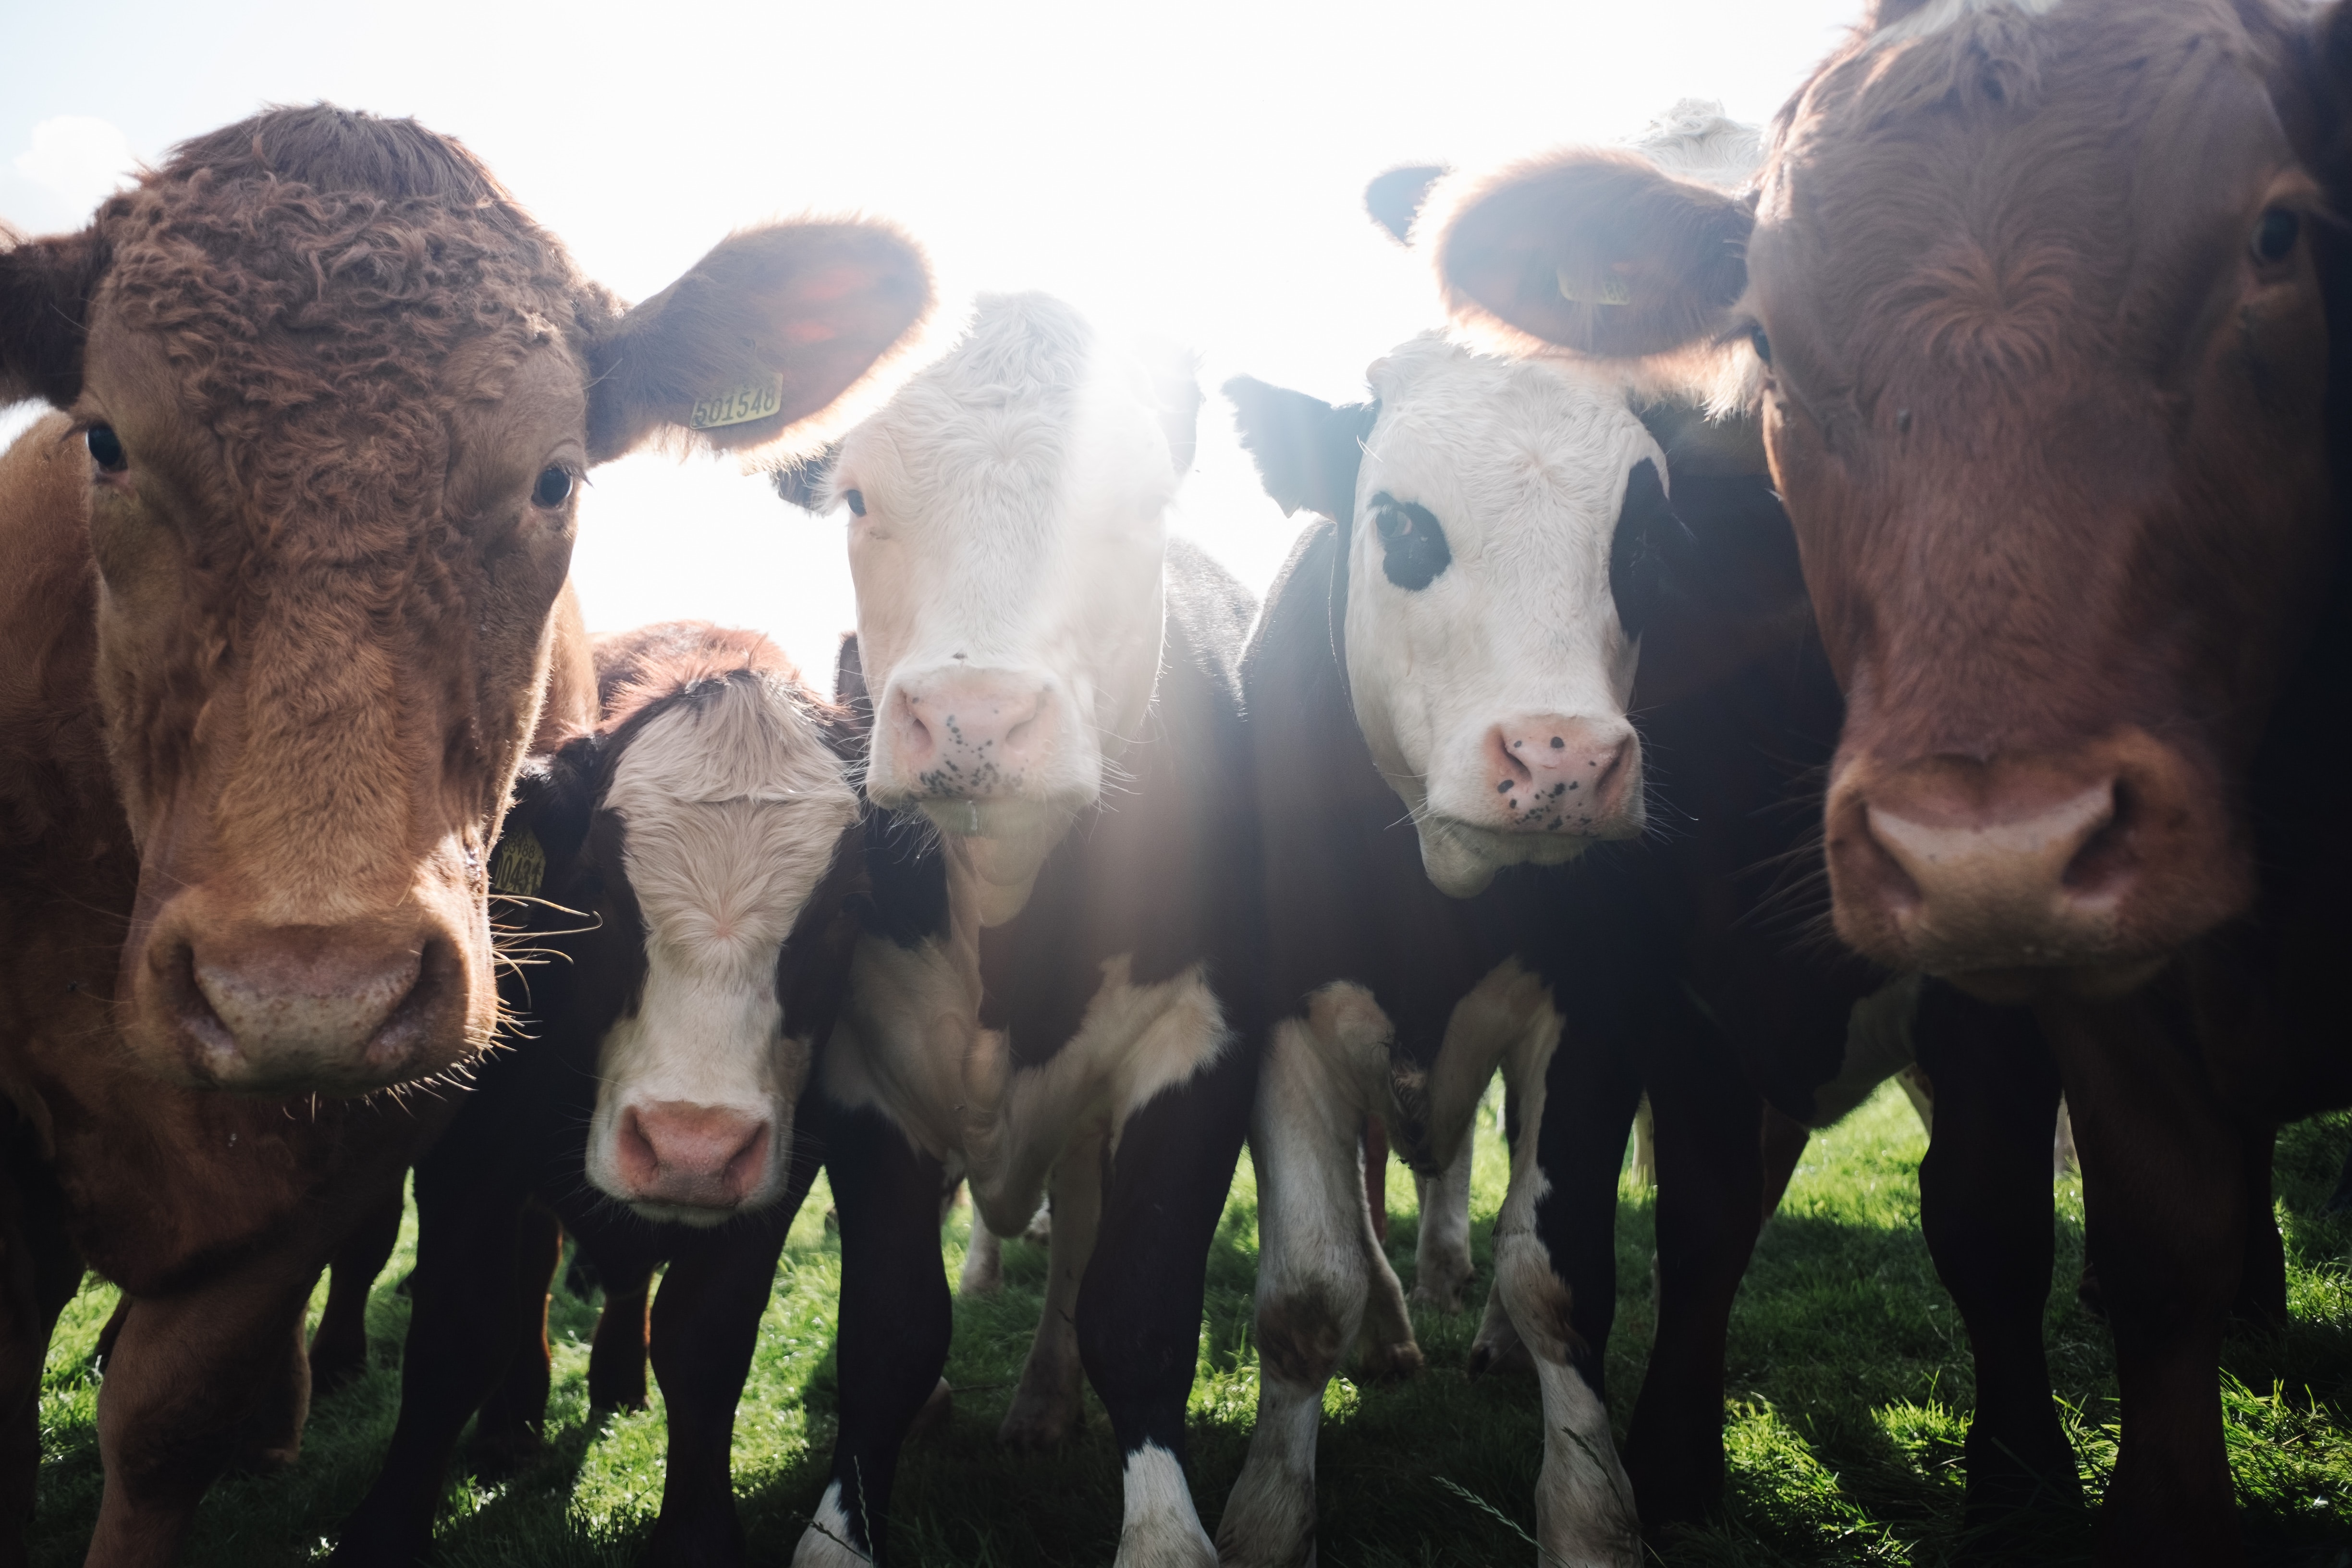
<point x="2032" y="299"/>
<point x="1006" y="534"/>
<point x="698" y="851"/>
<point x="1507" y="529"/>
<point x="338" y="392"/>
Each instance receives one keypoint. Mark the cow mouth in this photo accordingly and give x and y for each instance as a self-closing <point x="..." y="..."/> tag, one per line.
<point x="1461" y="858"/>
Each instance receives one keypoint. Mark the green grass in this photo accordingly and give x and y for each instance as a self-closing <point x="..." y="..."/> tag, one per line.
<point x="1850" y="1392"/>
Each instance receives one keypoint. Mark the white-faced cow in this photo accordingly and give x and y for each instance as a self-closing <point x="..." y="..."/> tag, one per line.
<point x="2042" y="305"/>
<point x="688" y="866"/>
<point x="1054" y="986"/>
<point x="1509" y="570"/>
<point x="283" y="608"/>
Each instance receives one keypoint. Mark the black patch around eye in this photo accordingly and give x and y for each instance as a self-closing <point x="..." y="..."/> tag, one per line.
<point x="1648" y="536"/>
<point x="106" y="448"/>
<point x="553" y="488"/>
<point x="856" y="500"/>
<point x="1413" y="550"/>
<point x="2275" y="234"/>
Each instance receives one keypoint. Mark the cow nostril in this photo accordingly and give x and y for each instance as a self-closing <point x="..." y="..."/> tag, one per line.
<point x="2104" y="860"/>
<point x="634" y="1152"/>
<point x="1880" y="869"/>
<point x="749" y="1163"/>
<point x="1510" y="771"/>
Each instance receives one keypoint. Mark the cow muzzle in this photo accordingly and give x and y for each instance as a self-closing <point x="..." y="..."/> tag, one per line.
<point x="698" y="1164"/>
<point x="2079" y="873"/>
<point x="259" y="1008"/>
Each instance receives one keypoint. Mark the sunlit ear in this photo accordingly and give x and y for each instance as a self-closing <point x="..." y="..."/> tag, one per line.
<point x="45" y="290"/>
<point x="1306" y="451"/>
<point x="1394" y="198"/>
<point x="772" y="327"/>
<point x="1596" y="251"/>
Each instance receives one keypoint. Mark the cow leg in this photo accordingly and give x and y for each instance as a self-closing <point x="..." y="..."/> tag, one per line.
<point x="1441" y="1253"/>
<point x="2165" y="1174"/>
<point x="40" y="1272"/>
<point x="198" y="1380"/>
<point x="1315" y="1243"/>
<point x="1556" y="1266"/>
<point x="2261" y="1286"/>
<point x="1985" y="1207"/>
<point x="339" y="1348"/>
<point x="1048" y="1405"/>
<point x="1376" y="1176"/>
<point x="704" y="1331"/>
<point x="983" y="1259"/>
<point x="1710" y="1205"/>
<point x="894" y="1325"/>
<point x="1781" y="1141"/>
<point x="617" y="1357"/>
<point x="460" y="1334"/>
<point x="1139" y="1306"/>
<point x="507" y="1434"/>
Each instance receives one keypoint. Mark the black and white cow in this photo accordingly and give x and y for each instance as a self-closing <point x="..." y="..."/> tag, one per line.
<point x="683" y="875"/>
<point x="1523" y="555"/>
<point x="1055" y="986"/>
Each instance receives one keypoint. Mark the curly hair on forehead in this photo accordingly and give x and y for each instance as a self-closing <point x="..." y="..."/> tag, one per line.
<point x="309" y="274"/>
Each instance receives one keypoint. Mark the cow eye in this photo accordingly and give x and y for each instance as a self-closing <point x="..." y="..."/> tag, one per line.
<point x="1763" y="345"/>
<point x="1412" y="546"/>
<point x="856" y="500"/>
<point x="553" y="488"/>
<point x="2275" y="234"/>
<point x="106" y="448"/>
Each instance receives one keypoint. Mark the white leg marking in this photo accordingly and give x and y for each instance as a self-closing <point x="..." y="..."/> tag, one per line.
<point x="1585" y="1504"/>
<point x="1441" y="1254"/>
<point x="826" y="1543"/>
<point x="1048" y="1406"/>
<point x="1161" y="1528"/>
<point x="1315" y="1247"/>
<point x="984" y="1261"/>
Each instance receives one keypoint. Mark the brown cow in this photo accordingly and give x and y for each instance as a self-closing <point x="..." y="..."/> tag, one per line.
<point x="280" y="599"/>
<point x="2036" y="298"/>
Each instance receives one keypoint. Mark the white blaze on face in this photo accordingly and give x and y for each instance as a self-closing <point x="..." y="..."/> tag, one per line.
<point x="1488" y="663"/>
<point x="732" y="807"/>
<point x="1005" y="542"/>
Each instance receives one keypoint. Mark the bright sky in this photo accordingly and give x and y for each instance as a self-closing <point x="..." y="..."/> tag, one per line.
<point x="1186" y="170"/>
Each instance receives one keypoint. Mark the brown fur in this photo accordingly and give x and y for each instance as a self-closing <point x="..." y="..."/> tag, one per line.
<point x="267" y="686"/>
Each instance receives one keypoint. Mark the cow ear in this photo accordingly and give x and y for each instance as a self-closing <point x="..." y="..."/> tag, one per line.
<point x="1171" y="384"/>
<point x="1597" y="252"/>
<point x="1306" y="450"/>
<point x="44" y="292"/>
<point x="555" y="796"/>
<point x="1653" y="553"/>
<point x="774" y="326"/>
<point x="849" y="679"/>
<point x="807" y="482"/>
<point x="1394" y="198"/>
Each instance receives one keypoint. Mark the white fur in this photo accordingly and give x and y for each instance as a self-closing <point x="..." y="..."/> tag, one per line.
<point x="734" y="807"/>
<point x="1321" y="1074"/>
<point x="1441" y="1255"/>
<point x="1015" y="495"/>
<point x="826" y="1543"/>
<point x="1584" y="1502"/>
<point x="1159" y="1528"/>
<point x="1524" y="465"/>
<point x="1938" y="15"/>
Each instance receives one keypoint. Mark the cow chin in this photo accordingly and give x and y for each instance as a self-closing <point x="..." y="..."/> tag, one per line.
<point x="1462" y="859"/>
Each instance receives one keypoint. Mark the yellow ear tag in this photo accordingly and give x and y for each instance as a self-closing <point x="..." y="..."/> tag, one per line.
<point x="1612" y="291"/>
<point x="520" y="866"/>
<point x="753" y="400"/>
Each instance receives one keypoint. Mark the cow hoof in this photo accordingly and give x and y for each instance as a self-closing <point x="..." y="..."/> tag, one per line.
<point x="1164" y="1542"/>
<point x="933" y="1417"/>
<point x="1034" y="1425"/>
<point x="1389" y="1362"/>
<point x="1441" y="1284"/>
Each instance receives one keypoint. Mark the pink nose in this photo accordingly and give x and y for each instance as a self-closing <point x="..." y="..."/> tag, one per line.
<point x="697" y="1156"/>
<point x="1557" y="774"/>
<point x="262" y="1007"/>
<point x="971" y="734"/>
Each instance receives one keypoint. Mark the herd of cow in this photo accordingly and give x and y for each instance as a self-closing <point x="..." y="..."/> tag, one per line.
<point x="1940" y="488"/>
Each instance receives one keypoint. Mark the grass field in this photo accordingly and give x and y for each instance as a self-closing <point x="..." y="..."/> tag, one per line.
<point x="1850" y="1380"/>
